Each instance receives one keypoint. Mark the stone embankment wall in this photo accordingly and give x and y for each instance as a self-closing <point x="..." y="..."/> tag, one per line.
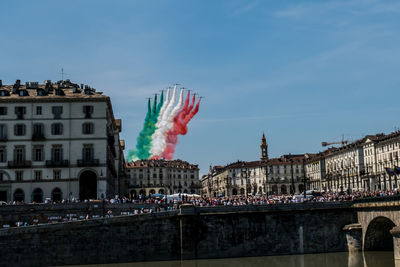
<point x="186" y="234"/>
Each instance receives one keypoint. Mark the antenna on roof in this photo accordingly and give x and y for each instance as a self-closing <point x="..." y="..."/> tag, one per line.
<point x="62" y="74"/>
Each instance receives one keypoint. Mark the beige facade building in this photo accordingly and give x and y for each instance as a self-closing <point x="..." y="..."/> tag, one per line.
<point x="381" y="161"/>
<point x="316" y="171"/>
<point x="345" y="167"/>
<point x="281" y="175"/>
<point x="58" y="141"/>
<point x="163" y="177"/>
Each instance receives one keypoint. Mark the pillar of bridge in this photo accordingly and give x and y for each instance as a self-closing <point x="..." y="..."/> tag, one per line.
<point x="354" y="237"/>
<point x="396" y="242"/>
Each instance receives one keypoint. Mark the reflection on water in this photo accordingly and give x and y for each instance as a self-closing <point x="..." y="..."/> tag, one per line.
<point x="342" y="259"/>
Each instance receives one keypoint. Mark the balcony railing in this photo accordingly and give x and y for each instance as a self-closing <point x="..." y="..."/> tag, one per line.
<point x="88" y="162"/>
<point x="38" y="137"/>
<point x="57" y="163"/>
<point x="20" y="164"/>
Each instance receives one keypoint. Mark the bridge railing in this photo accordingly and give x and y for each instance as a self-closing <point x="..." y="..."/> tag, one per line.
<point x="276" y="207"/>
<point x="377" y="199"/>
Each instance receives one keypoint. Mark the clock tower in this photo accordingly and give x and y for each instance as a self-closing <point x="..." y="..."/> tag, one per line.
<point x="264" y="148"/>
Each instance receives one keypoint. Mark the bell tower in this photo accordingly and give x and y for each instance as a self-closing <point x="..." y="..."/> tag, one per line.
<point x="264" y="148"/>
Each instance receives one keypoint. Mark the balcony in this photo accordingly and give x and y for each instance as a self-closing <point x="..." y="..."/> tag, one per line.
<point x="57" y="163"/>
<point x="88" y="162"/>
<point x="38" y="137"/>
<point x="20" y="164"/>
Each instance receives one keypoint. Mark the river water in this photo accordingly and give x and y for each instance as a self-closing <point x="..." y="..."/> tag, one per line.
<point x="342" y="259"/>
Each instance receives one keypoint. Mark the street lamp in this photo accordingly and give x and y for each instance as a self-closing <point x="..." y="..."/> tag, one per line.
<point x="292" y="178"/>
<point x="247" y="181"/>
<point x="304" y="183"/>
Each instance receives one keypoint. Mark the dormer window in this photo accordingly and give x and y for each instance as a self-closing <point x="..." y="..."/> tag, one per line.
<point x="23" y="93"/>
<point x="4" y="93"/>
<point x="41" y="92"/>
<point x="59" y="92"/>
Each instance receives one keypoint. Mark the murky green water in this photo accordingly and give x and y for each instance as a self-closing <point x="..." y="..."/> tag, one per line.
<point x="367" y="259"/>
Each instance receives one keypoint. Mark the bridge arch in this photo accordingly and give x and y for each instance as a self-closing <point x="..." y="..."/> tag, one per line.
<point x="377" y="236"/>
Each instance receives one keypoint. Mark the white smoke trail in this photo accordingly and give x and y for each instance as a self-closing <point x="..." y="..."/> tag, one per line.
<point x="170" y="123"/>
<point x="160" y="134"/>
<point x="163" y="107"/>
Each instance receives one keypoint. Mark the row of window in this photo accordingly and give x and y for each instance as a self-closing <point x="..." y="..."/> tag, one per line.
<point x="56" y="111"/>
<point x="38" y="153"/>
<point x="161" y="176"/>
<point x="38" y="129"/>
<point x="38" y="175"/>
<point x="155" y="170"/>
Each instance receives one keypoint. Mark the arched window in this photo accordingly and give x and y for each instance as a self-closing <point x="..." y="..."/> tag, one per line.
<point x="37" y="195"/>
<point x="56" y="195"/>
<point x="283" y="189"/>
<point x="234" y="191"/>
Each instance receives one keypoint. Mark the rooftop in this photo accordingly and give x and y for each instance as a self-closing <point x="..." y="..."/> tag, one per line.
<point x="49" y="90"/>
<point x="150" y="163"/>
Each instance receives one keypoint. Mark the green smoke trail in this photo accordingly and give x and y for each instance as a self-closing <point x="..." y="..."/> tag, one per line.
<point x="160" y="104"/>
<point x="143" y="144"/>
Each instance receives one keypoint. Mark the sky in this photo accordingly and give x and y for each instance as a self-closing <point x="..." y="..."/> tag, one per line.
<point x="303" y="72"/>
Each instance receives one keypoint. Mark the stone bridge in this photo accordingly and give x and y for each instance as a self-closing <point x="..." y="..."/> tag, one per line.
<point x="377" y="227"/>
<point x="196" y="233"/>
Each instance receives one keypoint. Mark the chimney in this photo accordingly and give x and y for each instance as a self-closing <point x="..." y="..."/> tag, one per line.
<point x="16" y="86"/>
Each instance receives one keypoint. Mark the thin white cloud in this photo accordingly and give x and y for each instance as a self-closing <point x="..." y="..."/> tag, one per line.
<point x="236" y="8"/>
<point x="311" y="10"/>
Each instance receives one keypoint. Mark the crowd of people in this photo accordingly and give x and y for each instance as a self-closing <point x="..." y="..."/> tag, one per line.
<point x="238" y="200"/>
<point x="149" y="204"/>
<point x="281" y="199"/>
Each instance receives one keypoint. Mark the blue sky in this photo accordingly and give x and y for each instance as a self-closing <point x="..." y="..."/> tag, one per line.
<point x="302" y="71"/>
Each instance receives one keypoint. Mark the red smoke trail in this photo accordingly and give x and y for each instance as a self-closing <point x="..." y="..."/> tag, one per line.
<point x="180" y="126"/>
